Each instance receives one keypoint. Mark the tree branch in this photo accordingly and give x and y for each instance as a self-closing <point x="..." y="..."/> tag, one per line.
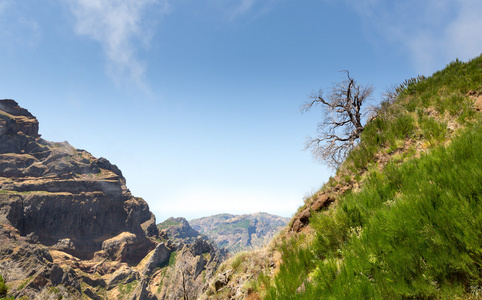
<point x="342" y="124"/>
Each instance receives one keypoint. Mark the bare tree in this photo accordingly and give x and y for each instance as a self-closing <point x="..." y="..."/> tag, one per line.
<point x="342" y="121"/>
<point x="184" y="270"/>
<point x="185" y="273"/>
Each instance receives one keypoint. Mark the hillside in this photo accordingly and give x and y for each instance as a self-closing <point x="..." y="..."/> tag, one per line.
<point x="177" y="229"/>
<point x="402" y="217"/>
<point x="239" y="232"/>
<point x="71" y="229"/>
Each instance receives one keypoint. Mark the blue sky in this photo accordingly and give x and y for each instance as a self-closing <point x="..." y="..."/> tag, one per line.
<point x="198" y="102"/>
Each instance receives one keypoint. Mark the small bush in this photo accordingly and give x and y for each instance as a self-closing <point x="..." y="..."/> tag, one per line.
<point x="3" y="287"/>
<point x="297" y="263"/>
<point x="402" y="126"/>
<point x="454" y="104"/>
<point x="239" y="258"/>
<point x="433" y="130"/>
<point x="172" y="259"/>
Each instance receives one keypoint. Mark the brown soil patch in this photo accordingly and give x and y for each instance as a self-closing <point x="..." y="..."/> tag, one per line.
<point x="478" y="103"/>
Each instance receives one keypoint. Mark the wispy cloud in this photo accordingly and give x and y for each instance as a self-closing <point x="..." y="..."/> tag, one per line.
<point x="235" y="9"/>
<point x="122" y="28"/>
<point x="433" y="32"/>
<point x="243" y="7"/>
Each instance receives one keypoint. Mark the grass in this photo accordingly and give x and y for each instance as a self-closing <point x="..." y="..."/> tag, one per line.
<point x="297" y="263"/>
<point x="172" y="258"/>
<point x="414" y="229"/>
<point x="432" y="130"/>
<point x="24" y="283"/>
<point x="163" y="276"/>
<point x="207" y="256"/>
<point x="126" y="289"/>
<point x="446" y="91"/>
<point x="238" y="259"/>
<point x="167" y="223"/>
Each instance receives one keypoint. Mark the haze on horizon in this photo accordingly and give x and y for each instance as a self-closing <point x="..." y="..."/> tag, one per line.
<point x="197" y="102"/>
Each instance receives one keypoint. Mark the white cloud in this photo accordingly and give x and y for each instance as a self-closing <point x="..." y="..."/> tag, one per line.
<point x="121" y="27"/>
<point x="433" y="32"/>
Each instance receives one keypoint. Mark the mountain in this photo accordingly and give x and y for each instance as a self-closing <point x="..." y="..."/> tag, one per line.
<point x="401" y="218"/>
<point x="65" y="198"/>
<point x="239" y="232"/>
<point x="71" y="229"/>
<point x="177" y="229"/>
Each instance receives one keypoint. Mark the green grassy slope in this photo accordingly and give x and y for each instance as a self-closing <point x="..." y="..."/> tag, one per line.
<point x="414" y="227"/>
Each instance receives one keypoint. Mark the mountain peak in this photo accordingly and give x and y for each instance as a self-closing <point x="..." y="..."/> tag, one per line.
<point x="15" y="120"/>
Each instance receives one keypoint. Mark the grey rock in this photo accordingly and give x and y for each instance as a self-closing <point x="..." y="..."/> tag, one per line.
<point x="160" y="256"/>
<point x="201" y="246"/>
<point x="180" y="231"/>
<point x="119" y="275"/>
<point x="56" y="274"/>
<point x="141" y="292"/>
<point x="91" y="294"/>
<point x="222" y="279"/>
<point x="70" y="279"/>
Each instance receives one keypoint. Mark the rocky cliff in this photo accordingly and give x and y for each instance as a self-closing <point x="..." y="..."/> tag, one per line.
<point x="64" y="197"/>
<point x="188" y="271"/>
<point x="178" y="229"/>
<point x="70" y="228"/>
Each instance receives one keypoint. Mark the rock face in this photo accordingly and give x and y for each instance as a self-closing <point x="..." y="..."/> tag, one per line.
<point x="14" y="119"/>
<point x="178" y="229"/>
<point x="63" y="197"/>
<point x="70" y="228"/>
<point x="190" y="269"/>
<point x="301" y="219"/>
<point x="239" y="232"/>
<point x="62" y="206"/>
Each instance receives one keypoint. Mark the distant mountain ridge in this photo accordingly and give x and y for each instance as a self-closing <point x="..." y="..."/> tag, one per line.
<point x="239" y="232"/>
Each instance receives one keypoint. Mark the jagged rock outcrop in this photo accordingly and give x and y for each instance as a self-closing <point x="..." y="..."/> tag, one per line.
<point x="14" y="119"/>
<point x="66" y="217"/>
<point x="191" y="267"/>
<point x="61" y="196"/>
<point x="178" y="229"/>
<point x="158" y="258"/>
<point x="301" y="219"/>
